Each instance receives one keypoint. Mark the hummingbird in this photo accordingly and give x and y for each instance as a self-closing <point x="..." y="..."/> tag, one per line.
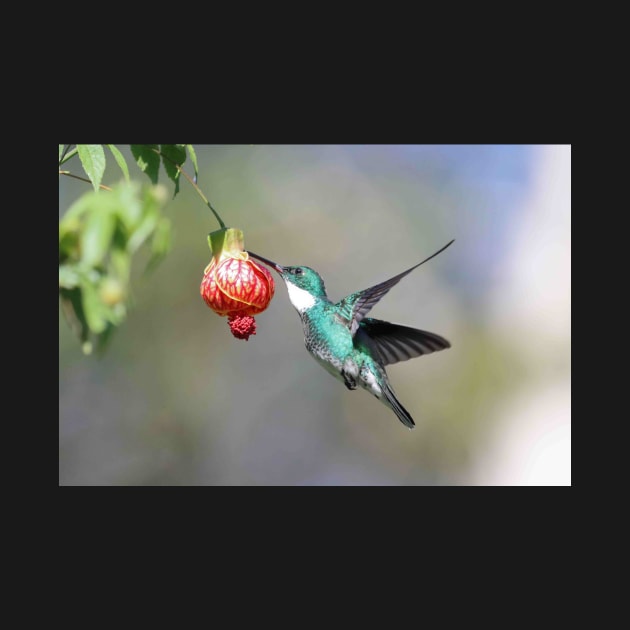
<point x="352" y="347"/>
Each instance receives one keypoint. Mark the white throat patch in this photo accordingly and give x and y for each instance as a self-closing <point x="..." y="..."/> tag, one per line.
<point x="302" y="300"/>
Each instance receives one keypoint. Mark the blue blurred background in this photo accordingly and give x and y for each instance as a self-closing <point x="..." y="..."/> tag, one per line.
<point x="176" y="400"/>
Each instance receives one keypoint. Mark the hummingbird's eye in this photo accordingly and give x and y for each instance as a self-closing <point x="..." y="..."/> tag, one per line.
<point x="298" y="271"/>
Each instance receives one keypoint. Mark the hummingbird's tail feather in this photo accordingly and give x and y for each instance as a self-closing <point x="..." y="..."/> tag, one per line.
<point x="399" y="410"/>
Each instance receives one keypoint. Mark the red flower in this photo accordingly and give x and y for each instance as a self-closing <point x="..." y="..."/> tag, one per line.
<point x="233" y="284"/>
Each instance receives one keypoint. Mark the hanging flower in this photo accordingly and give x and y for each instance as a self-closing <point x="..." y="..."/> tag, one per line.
<point x="233" y="285"/>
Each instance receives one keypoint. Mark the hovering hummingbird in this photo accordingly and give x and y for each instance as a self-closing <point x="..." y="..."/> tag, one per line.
<point x="352" y="347"/>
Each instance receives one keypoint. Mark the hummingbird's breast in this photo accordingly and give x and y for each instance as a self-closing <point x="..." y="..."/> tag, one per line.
<point x="347" y="358"/>
<point x="329" y="341"/>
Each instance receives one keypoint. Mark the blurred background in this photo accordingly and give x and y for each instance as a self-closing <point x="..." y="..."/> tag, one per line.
<point x="176" y="400"/>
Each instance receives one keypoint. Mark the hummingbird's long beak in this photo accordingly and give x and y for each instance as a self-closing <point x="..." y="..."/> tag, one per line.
<point x="274" y="265"/>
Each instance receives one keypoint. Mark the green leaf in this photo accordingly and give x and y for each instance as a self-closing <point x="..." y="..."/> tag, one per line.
<point x="93" y="307"/>
<point x="173" y="154"/>
<point x="68" y="155"/>
<point x="128" y="206"/>
<point x="97" y="235"/>
<point x="71" y="218"/>
<point x="68" y="241"/>
<point x="193" y="159"/>
<point x="150" y="202"/>
<point x="92" y="158"/>
<point x="120" y="160"/>
<point x="160" y="243"/>
<point x="142" y="233"/>
<point x="61" y="146"/>
<point x="121" y="264"/>
<point x="148" y="161"/>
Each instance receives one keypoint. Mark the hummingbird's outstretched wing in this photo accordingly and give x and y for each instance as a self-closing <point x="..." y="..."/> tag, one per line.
<point x="396" y="343"/>
<point x="353" y="308"/>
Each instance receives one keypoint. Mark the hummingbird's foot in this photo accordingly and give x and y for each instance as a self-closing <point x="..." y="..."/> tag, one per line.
<point x="348" y="380"/>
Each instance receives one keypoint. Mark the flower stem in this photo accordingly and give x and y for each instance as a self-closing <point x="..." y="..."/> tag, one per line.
<point x="194" y="185"/>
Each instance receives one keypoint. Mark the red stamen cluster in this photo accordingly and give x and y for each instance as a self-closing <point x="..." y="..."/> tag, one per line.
<point x="242" y="326"/>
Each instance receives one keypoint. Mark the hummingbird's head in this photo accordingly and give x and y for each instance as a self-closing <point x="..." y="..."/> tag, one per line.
<point x="304" y="284"/>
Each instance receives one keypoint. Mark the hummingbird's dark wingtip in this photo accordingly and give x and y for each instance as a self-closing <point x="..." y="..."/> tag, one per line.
<point x="276" y="266"/>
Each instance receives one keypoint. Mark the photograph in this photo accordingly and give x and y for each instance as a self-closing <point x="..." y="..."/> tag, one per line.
<point x="315" y="315"/>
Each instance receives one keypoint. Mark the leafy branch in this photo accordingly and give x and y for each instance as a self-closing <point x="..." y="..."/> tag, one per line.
<point x="102" y="231"/>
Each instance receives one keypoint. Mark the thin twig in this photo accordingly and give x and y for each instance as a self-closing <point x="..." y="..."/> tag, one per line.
<point x="83" y="179"/>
